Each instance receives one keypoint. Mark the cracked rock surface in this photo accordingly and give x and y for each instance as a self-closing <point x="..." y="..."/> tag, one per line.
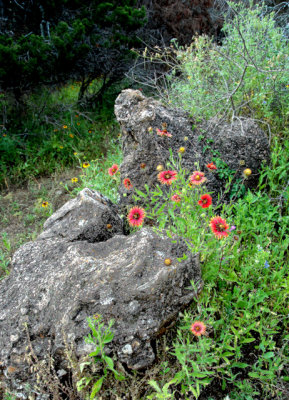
<point x="59" y="280"/>
<point x="240" y="144"/>
<point x="89" y="216"/>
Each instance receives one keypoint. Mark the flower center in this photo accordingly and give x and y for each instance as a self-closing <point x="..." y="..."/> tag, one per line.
<point x="136" y="216"/>
<point x="205" y="201"/>
<point x="220" y="227"/>
<point x="197" y="177"/>
<point x="167" y="176"/>
<point x="197" y="328"/>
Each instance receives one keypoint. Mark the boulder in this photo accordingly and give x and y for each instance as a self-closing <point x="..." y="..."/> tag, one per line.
<point x="90" y="216"/>
<point x="67" y="275"/>
<point x="238" y="145"/>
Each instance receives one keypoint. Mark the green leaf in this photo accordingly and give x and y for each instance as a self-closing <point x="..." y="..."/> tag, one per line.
<point x="108" y="337"/>
<point x="254" y="375"/>
<point x="155" y="386"/>
<point x="96" y="388"/>
<point x="268" y="355"/>
<point x="241" y="304"/>
<point x="248" y="340"/>
<point x="95" y="353"/>
<point x="118" y="376"/>
<point x="109" y="362"/>
<point x="227" y="354"/>
<point x="139" y="192"/>
<point x="171" y="213"/>
<point x="232" y="277"/>
<point x="199" y="374"/>
<point x="239" y="365"/>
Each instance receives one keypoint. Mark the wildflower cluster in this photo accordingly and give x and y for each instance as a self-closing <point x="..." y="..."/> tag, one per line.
<point x="181" y="198"/>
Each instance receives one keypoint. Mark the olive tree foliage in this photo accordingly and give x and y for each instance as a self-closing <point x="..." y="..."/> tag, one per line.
<point x="51" y="42"/>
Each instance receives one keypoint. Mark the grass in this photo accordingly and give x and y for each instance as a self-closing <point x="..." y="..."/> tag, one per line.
<point x="54" y="130"/>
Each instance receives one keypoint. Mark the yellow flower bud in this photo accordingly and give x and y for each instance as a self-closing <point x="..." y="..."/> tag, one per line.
<point x="168" y="261"/>
<point x="182" y="150"/>
<point x="160" y="168"/>
<point x="247" y="172"/>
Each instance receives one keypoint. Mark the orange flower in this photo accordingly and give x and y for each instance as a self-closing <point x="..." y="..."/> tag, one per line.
<point x="176" y="198"/>
<point x="167" y="177"/>
<point x="219" y="227"/>
<point x="113" y="170"/>
<point x="127" y="183"/>
<point x="205" y="201"/>
<point x="197" y="178"/>
<point x="136" y="216"/>
<point x="211" y="166"/>
<point x="198" y="328"/>
<point x="164" y="132"/>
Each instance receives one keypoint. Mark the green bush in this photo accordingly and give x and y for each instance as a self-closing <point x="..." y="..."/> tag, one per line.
<point x="247" y="75"/>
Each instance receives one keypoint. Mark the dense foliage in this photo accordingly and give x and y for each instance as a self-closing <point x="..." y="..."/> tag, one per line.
<point x="43" y="47"/>
<point x="246" y="76"/>
<point x="51" y="42"/>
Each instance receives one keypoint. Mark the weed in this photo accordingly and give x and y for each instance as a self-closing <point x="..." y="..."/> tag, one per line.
<point x="100" y="336"/>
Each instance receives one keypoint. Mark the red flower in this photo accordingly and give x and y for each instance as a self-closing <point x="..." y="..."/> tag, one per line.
<point x="113" y="170"/>
<point x="219" y="227"/>
<point x="198" y="328"/>
<point x="205" y="201"/>
<point x="136" y="216"/>
<point x="211" y="166"/>
<point x="127" y="183"/>
<point x="176" y="198"/>
<point x="197" y="178"/>
<point x="164" y="132"/>
<point x="167" y="177"/>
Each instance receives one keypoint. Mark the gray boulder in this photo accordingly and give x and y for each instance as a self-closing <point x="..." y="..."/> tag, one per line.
<point x="238" y="145"/>
<point x="57" y="283"/>
<point x="90" y="216"/>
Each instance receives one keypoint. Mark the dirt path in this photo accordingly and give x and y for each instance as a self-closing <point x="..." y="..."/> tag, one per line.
<point x="22" y="215"/>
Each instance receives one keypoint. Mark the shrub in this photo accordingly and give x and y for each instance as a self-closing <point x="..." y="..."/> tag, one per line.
<point x="246" y="76"/>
